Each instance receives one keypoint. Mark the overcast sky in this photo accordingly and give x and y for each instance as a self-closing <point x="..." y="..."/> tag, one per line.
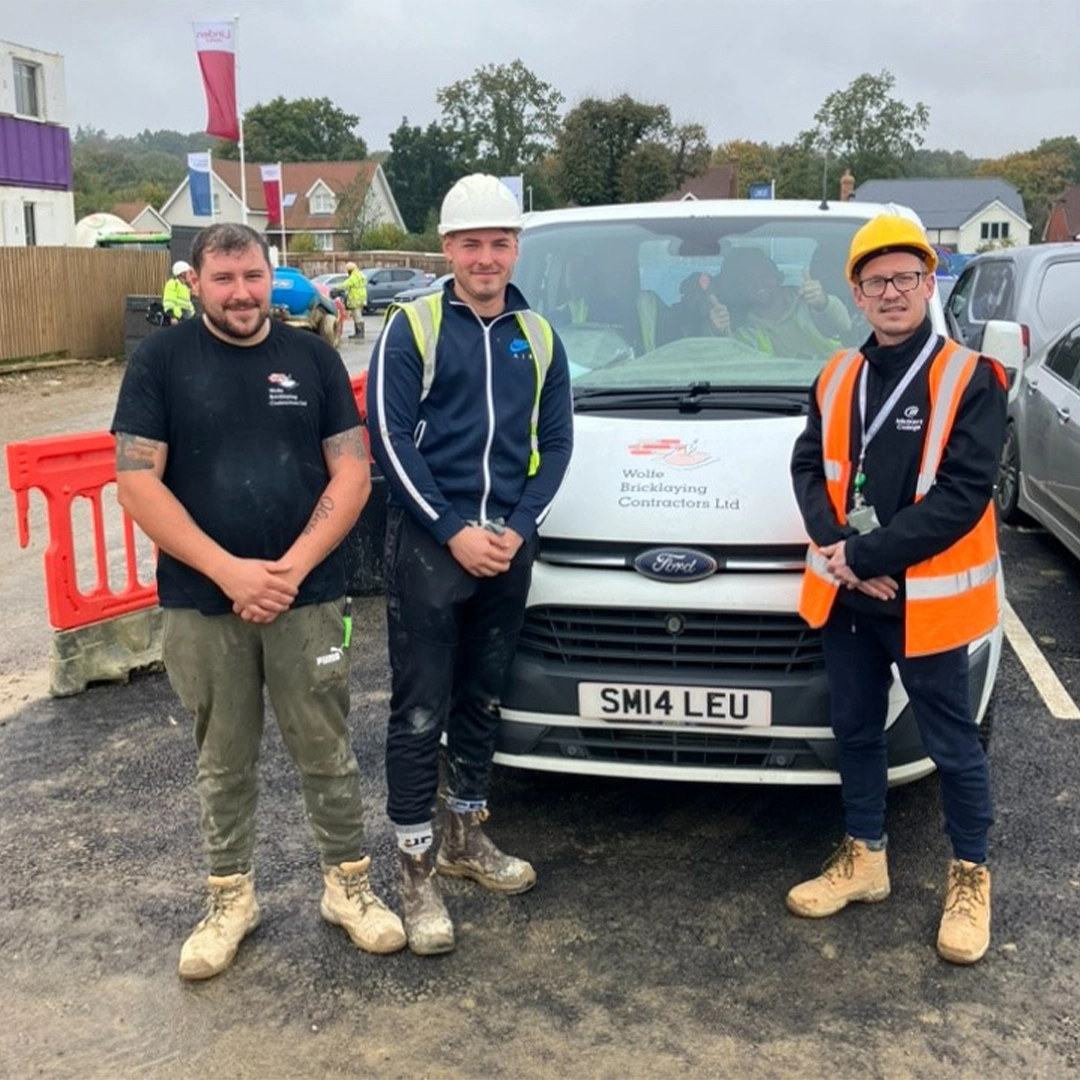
<point x="997" y="75"/>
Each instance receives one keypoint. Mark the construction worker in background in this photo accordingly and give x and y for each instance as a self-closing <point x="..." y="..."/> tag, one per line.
<point x="176" y="296"/>
<point x="470" y="417"/>
<point x="894" y="475"/>
<point x="355" y="289"/>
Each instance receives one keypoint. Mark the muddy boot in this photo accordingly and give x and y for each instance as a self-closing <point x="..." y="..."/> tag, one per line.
<point x="232" y="914"/>
<point x="964" y="935"/>
<point x="349" y="902"/>
<point x="465" y="852"/>
<point x="427" y="922"/>
<point x="853" y="872"/>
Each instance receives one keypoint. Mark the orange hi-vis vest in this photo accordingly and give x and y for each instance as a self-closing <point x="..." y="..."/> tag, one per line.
<point x="951" y="598"/>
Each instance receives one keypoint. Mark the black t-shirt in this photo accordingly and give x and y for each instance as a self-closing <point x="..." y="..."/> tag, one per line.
<point x="244" y="429"/>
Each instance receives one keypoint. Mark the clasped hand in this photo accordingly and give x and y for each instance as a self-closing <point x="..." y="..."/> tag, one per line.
<point x="880" y="588"/>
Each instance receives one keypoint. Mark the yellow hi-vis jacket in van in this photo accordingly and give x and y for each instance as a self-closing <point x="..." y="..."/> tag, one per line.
<point x="952" y="597"/>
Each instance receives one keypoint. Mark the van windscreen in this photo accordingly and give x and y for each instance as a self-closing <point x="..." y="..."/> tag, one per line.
<point x="689" y="300"/>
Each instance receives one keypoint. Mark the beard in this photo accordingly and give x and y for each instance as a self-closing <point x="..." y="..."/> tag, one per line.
<point x="223" y="322"/>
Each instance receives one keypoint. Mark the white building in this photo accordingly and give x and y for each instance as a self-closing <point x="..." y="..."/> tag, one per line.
<point x="37" y="206"/>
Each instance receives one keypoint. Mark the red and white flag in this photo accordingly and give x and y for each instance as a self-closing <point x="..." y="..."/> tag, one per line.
<point x="271" y="182"/>
<point x="216" y="46"/>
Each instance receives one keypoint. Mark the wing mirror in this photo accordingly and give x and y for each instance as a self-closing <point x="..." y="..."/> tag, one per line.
<point x="1004" y="341"/>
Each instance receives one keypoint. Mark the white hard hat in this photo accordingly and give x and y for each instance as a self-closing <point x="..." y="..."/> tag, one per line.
<point x="479" y="201"/>
<point x="180" y="267"/>
<point x="351" y="266"/>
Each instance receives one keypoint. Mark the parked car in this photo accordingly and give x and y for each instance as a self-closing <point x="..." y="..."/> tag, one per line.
<point x="1040" y="464"/>
<point x="433" y="286"/>
<point x="1038" y="288"/>
<point x="385" y="282"/>
<point x="661" y="636"/>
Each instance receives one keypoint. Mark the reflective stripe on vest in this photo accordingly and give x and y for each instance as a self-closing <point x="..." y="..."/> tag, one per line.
<point x="647" y="313"/>
<point x="425" y="320"/>
<point x="952" y="597"/>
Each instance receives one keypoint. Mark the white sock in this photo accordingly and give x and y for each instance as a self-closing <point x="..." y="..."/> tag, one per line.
<point x="415" y="839"/>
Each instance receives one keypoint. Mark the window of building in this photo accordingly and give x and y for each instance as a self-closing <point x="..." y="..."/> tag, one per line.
<point x="1004" y="230"/>
<point x="323" y="202"/>
<point x="325" y="241"/>
<point x="984" y="231"/>
<point x="29" y="225"/>
<point x="26" y="89"/>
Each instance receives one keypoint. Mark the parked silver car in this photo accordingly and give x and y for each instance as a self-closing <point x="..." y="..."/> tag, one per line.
<point x="1038" y="288"/>
<point x="1040" y="464"/>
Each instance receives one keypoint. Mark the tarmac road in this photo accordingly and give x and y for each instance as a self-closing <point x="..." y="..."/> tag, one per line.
<point x="655" y="943"/>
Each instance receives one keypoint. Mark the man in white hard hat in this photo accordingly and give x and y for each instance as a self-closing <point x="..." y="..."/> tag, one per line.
<point x="176" y="296"/>
<point x="470" y="417"/>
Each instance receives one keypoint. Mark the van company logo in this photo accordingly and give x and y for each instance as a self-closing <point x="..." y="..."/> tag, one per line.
<point x="675" y="564"/>
<point x="286" y="382"/>
<point x="673" y="452"/>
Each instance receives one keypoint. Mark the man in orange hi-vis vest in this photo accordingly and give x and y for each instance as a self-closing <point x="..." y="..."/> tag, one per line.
<point x="894" y="475"/>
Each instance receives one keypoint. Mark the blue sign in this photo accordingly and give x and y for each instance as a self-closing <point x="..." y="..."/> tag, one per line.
<point x="761" y="191"/>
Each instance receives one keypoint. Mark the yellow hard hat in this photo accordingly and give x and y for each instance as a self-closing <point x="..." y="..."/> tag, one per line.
<point x="888" y="232"/>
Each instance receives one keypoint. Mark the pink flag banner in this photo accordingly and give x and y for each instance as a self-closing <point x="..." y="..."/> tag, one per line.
<point x="271" y="182"/>
<point x="215" y="44"/>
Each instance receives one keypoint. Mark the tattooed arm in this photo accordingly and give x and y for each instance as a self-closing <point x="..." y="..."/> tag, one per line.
<point x="338" y="507"/>
<point x="254" y="585"/>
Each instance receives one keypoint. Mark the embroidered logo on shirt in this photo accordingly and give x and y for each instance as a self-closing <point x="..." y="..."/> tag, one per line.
<point x="519" y="345"/>
<point x="281" y="390"/>
<point x="911" y="420"/>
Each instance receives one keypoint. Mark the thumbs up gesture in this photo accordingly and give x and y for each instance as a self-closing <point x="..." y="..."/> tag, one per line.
<point x="812" y="293"/>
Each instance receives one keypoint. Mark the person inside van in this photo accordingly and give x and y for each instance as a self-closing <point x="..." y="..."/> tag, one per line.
<point x="751" y="303"/>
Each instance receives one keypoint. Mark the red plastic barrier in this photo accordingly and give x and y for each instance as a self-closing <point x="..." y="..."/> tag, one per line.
<point x="63" y="469"/>
<point x="68" y="467"/>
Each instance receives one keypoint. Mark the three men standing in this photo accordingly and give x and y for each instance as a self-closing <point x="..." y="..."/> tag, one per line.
<point x="470" y="416"/>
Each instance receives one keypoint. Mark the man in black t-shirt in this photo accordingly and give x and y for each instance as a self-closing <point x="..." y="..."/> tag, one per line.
<point x="238" y="452"/>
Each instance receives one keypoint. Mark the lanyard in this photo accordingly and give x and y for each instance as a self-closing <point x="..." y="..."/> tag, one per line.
<point x="866" y="434"/>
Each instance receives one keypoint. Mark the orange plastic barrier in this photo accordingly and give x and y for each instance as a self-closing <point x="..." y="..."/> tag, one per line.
<point x="67" y="467"/>
<point x="63" y="469"/>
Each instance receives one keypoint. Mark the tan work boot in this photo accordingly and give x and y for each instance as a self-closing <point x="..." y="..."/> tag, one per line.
<point x="964" y="935"/>
<point x="427" y="922"/>
<point x="348" y="901"/>
<point x="465" y="852"/>
<point x="232" y="914"/>
<point x="853" y="872"/>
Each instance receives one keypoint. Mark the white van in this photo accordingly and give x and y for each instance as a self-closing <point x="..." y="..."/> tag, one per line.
<point x="662" y="637"/>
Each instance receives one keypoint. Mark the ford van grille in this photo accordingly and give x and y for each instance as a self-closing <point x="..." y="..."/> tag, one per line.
<point x="699" y="640"/>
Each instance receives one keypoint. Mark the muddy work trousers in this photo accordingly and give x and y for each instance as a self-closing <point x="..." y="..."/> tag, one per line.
<point x="218" y="666"/>
<point x="451" y="641"/>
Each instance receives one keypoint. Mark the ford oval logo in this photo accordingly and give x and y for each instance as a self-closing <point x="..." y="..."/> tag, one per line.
<point x="675" y="564"/>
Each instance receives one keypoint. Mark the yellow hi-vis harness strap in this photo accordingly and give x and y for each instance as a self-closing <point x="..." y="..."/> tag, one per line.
<point x="425" y="319"/>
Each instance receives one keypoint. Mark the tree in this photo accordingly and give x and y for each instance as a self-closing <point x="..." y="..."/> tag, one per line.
<point x="596" y="139"/>
<point x="689" y="147"/>
<point x="355" y="211"/>
<point x="308" y="129"/>
<point x="1041" y="179"/>
<point x="756" y="162"/>
<point x="420" y="170"/>
<point x="503" y="115"/>
<point x="800" y="170"/>
<point x="867" y="131"/>
<point x="646" y="173"/>
<point x="942" y="164"/>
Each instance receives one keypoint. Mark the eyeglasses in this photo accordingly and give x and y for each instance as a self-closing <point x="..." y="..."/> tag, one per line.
<point x="903" y="282"/>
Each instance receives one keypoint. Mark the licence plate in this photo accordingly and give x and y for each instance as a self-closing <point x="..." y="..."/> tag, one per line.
<point x="708" y="706"/>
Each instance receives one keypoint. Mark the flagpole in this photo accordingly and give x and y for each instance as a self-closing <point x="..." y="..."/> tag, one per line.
<point x="240" y="123"/>
<point x="210" y="163"/>
<point x="281" y="212"/>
